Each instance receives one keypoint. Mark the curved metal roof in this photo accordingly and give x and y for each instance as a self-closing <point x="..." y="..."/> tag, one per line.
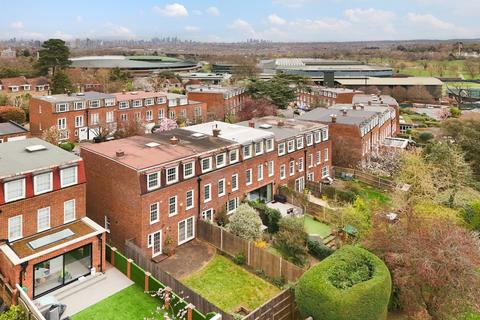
<point x="123" y="62"/>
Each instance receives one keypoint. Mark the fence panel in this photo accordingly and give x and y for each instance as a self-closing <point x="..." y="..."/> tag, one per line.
<point x="257" y="258"/>
<point x="281" y="307"/>
<point x="164" y="279"/>
<point x="365" y="177"/>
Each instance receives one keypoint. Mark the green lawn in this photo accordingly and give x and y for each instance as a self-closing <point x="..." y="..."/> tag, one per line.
<point x="229" y="286"/>
<point x="129" y="304"/>
<point x="316" y="227"/>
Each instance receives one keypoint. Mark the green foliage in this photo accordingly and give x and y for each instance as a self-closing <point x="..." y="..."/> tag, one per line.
<point x="319" y="250"/>
<point x="359" y="216"/>
<point x="291" y="240"/>
<point x="270" y="217"/>
<point x="350" y="284"/>
<point x="455" y="112"/>
<point x="471" y="215"/>
<point x="346" y="196"/>
<point x="245" y="223"/>
<point x="61" y="83"/>
<point x="425" y="136"/>
<point x="10" y="113"/>
<point x="53" y="55"/>
<point x="68" y="146"/>
<point x="239" y="259"/>
<point x="280" y="90"/>
<point x="117" y="74"/>
<point x="14" y="313"/>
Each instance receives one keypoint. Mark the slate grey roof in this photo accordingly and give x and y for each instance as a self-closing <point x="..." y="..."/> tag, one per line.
<point x="11" y="128"/>
<point x="84" y="96"/>
<point x="353" y="117"/>
<point x="15" y="159"/>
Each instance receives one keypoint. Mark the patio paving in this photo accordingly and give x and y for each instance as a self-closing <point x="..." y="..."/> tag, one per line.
<point x="188" y="258"/>
<point x="286" y="209"/>
<point x="81" y="295"/>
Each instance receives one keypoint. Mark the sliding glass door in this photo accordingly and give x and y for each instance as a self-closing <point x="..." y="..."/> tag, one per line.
<point x="56" y="272"/>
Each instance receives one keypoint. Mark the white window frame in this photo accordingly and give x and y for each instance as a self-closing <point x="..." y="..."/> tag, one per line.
<point x="64" y="185"/>
<point x="290" y="146"/>
<point x="209" y="159"/>
<point x="192" y="164"/>
<point x="300" y="142"/>
<point x="236" y="182"/>
<point x="149" y="102"/>
<point x="78" y="105"/>
<point x="157" y="213"/>
<point x="123" y="104"/>
<point x="170" y="213"/>
<point x="65" y="220"/>
<point x="62" y="123"/>
<point x="61" y="107"/>
<point x="161" y="100"/>
<point x="269" y="145"/>
<point x="136" y="103"/>
<point x="309" y="138"/>
<point x="6" y="187"/>
<point x="209" y="187"/>
<point x="310" y="160"/>
<point x="156" y="186"/>
<point x="149" y="115"/>
<point x="259" y="148"/>
<point x="175" y="174"/>
<point x="94" y="103"/>
<point x="325" y="155"/>
<point x="10" y="239"/>
<point x="318" y="136"/>
<point x="300" y="164"/>
<point x="47" y="211"/>
<point x="271" y="168"/>
<point x="235" y="205"/>
<point x="186" y="231"/>
<point x="325" y="134"/>
<point x="319" y="157"/>
<point x="224" y="187"/>
<point x="281" y="149"/>
<point x="109" y="117"/>
<point x="260" y="172"/>
<point x="283" y="171"/>
<point x="291" y="166"/>
<point x="249" y="154"/>
<point x="35" y="182"/>
<point x="223" y="163"/>
<point x="161" y="113"/>
<point x="233" y="152"/>
<point x="192" y="192"/>
<point x="248" y="177"/>
<point x="109" y="102"/>
<point x="328" y="172"/>
<point x="207" y="212"/>
<point x="79" y="124"/>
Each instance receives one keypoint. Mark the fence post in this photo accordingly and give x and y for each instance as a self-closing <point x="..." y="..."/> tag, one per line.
<point x="221" y="239"/>
<point x="281" y="260"/>
<point x="114" y="251"/>
<point x="147" y="281"/>
<point x="190" y="308"/>
<point x="167" y="297"/>
<point x="129" y="268"/>
<point x="248" y="253"/>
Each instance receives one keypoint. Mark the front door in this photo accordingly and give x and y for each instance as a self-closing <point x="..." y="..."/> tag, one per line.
<point x="157" y="244"/>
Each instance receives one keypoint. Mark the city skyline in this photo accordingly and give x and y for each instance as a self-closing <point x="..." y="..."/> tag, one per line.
<point x="222" y="21"/>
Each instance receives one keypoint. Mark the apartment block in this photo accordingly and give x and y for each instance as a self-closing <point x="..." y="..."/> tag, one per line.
<point x="151" y="189"/>
<point x="325" y="97"/>
<point x="48" y="241"/>
<point x="81" y="116"/>
<point x="221" y="101"/>
<point x="356" y="132"/>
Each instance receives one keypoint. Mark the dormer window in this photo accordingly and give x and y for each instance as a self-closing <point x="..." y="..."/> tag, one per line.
<point x="109" y="102"/>
<point x="291" y="146"/>
<point x="123" y="105"/>
<point x="269" y="145"/>
<point x="233" y="155"/>
<point x="149" y="102"/>
<point x="136" y="103"/>
<point x="220" y="159"/>
<point x="281" y="149"/>
<point x="247" y="151"/>
<point x="172" y="175"/>
<point x="78" y="105"/>
<point x="14" y="190"/>
<point x="153" y="181"/>
<point x="299" y="143"/>
<point x="258" y="148"/>
<point x="206" y="164"/>
<point x="68" y="177"/>
<point x="188" y="170"/>
<point x="94" y="103"/>
<point x="161" y="100"/>
<point x="61" y="107"/>
<point x="309" y="138"/>
<point x="42" y="183"/>
<point x="318" y="137"/>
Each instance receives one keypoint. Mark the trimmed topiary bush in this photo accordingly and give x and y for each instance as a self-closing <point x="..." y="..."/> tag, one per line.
<point x="319" y="250"/>
<point x="351" y="284"/>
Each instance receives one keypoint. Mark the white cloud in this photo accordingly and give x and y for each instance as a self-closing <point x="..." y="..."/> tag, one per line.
<point x="372" y="19"/>
<point x="276" y="20"/>
<point x="429" y="21"/>
<point x="213" y="11"/>
<point x="118" y="31"/>
<point x="172" y="10"/>
<point x="244" y="27"/>
<point x="16" y="25"/>
<point x="191" y="29"/>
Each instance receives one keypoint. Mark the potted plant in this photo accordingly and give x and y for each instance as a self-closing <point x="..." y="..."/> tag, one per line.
<point x="168" y="250"/>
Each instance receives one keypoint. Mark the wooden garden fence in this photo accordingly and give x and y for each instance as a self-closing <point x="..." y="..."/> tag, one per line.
<point x="282" y="307"/>
<point x="256" y="258"/>
<point x="364" y="177"/>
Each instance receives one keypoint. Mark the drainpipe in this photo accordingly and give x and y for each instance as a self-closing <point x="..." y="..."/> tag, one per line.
<point x="100" y="242"/>
<point x="23" y="271"/>
<point x="199" y="180"/>
<point x="305" y="165"/>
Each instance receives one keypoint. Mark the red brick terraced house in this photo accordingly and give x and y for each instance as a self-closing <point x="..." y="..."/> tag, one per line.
<point x="80" y="116"/>
<point x="47" y="240"/>
<point x="324" y="96"/>
<point x="222" y="101"/>
<point x="152" y="188"/>
<point x="355" y="133"/>
<point x="372" y="100"/>
<point x="22" y="84"/>
<point x="303" y="148"/>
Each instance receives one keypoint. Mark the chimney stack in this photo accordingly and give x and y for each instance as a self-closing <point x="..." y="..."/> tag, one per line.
<point x="251" y="124"/>
<point x="280" y="123"/>
<point x="173" y="141"/>
<point x="119" y="153"/>
<point x="344" y="112"/>
<point x="216" y="131"/>
<point x="354" y="107"/>
<point x="362" y="107"/>
<point x="369" y="102"/>
<point x="334" y="118"/>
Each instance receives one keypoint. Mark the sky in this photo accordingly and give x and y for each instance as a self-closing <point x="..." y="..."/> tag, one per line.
<point x="238" y="20"/>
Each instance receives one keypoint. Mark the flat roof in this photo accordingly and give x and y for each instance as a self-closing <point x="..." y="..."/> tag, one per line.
<point x="11" y="128"/>
<point x="130" y="62"/>
<point x="381" y="81"/>
<point x="288" y="128"/>
<point x="353" y="117"/>
<point x="213" y="88"/>
<point x="132" y="95"/>
<point x="336" y="90"/>
<point x="15" y="159"/>
<point x="233" y="132"/>
<point x="83" y="96"/>
<point x="139" y="156"/>
<point x="375" y="99"/>
<point x="395" y="142"/>
<point x="374" y="108"/>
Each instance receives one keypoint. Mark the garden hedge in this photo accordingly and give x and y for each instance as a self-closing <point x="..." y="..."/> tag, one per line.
<point x="362" y="287"/>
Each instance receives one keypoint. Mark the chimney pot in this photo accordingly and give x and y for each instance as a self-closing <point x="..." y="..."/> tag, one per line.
<point x="354" y="107"/>
<point x="369" y="102"/>
<point x="334" y="118"/>
<point x="251" y="124"/>
<point x="173" y="141"/>
<point x="280" y="123"/>
<point x="120" y="153"/>
<point x="344" y="112"/>
<point x="216" y="131"/>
